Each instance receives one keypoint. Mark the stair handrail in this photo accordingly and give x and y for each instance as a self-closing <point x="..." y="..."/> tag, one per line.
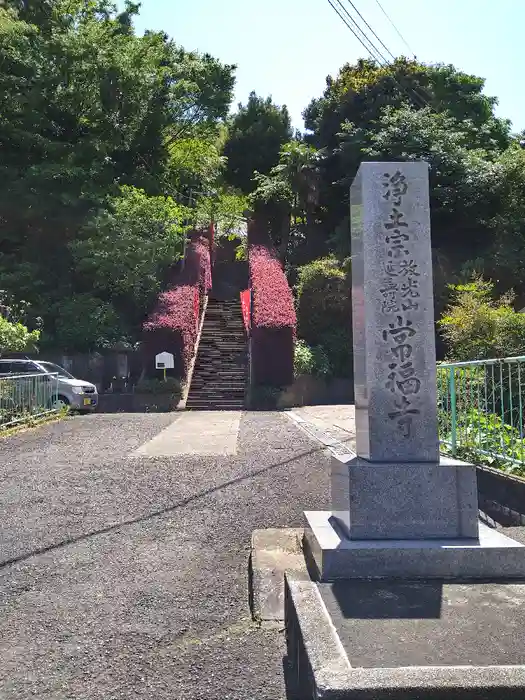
<point x="246" y="305"/>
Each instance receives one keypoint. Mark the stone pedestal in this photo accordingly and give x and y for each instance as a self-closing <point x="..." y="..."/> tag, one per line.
<point x="331" y="555"/>
<point x="410" y="501"/>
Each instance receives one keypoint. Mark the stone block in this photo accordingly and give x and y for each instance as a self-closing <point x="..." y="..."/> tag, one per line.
<point x="405" y="501"/>
<point x="393" y="314"/>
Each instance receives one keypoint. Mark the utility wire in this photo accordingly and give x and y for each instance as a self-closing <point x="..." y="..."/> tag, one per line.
<point x="420" y="100"/>
<point x="374" y="53"/>
<point x="396" y="29"/>
<point x="369" y="27"/>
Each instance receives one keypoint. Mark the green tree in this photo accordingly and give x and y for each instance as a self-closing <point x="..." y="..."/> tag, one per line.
<point x="15" y="337"/>
<point x="462" y="194"/>
<point x="361" y="114"/>
<point x="88" y="107"/>
<point x="195" y="166"/>
<point x="84" y="323"/>
<point x="298" y="167"/>
<point x="224" y="207"/>
<point x="127" y="250"/>
<point x="256" y="134"/>
<point x="361" y="91"/>
<point x="508" y="222"/>
<point x="286" y="198"/>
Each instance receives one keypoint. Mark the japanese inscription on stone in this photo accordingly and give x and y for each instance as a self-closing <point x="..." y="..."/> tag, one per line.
<point x="399" y="296"/>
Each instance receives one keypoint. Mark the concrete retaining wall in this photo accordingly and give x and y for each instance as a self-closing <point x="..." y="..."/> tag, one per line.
<point x="314" y="391"/>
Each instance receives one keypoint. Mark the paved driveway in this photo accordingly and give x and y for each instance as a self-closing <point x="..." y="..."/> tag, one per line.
<point x="124" y="575"/>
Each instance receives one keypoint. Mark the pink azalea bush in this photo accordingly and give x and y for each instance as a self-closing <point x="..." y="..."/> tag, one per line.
<point x="273" y="316"/>
<point x="172" y="325"/>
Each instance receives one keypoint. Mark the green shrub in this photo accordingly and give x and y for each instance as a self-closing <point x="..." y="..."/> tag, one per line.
<point x="311" y="360"/>
<point x="477" y="326"/>
<point x="15" y="337"/>
<point x="323" y="299"/>
<point x="324" y="311"/>
<point x="337" y="344"/>
<point x="241" y="252"/>
<point x="483" y="438"/>
<point x="159" y="386"/>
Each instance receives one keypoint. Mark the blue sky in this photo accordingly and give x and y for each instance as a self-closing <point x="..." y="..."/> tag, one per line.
<point x="286" y="48"/>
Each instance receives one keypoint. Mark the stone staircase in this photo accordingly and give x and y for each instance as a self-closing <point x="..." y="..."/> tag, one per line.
<point x="221" y="371"/>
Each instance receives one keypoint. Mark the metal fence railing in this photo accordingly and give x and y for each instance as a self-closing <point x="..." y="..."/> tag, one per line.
<point x="26" y="396"/>
<point x="481" y="410"/>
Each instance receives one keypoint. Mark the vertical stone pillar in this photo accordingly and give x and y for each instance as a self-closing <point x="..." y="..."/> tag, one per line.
<point x="393" y="314"/>
<point x="397" y="487"/>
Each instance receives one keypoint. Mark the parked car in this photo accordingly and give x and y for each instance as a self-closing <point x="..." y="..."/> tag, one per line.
<point x="74" y="393"/>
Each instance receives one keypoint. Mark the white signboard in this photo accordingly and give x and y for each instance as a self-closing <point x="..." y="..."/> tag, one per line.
<point x="164" y="360"/>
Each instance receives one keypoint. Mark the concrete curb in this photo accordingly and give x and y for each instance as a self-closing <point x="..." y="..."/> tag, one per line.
<point x="273" y="552"/>
<point x="336" y="447"/>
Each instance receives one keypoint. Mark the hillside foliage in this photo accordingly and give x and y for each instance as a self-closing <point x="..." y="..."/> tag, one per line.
<point x="115" y="146"/>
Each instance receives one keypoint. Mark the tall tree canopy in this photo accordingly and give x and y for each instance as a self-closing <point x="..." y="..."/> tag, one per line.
<point x="407" y="111"/>
<point x="256" y="134"/>
<point x="88" y="109"/>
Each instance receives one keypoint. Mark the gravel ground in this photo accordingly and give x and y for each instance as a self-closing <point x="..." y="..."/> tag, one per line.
<point x="126" y="577"/>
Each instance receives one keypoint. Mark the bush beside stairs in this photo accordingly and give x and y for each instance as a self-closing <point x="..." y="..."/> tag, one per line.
<point x="221" y="369"/>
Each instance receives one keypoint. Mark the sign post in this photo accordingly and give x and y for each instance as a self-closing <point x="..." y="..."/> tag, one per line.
<point x="164" y="361"/>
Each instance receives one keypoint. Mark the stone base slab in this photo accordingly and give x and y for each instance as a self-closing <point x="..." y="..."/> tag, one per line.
<point x="405" y="501"/>
<point x="327" y="653"/>
<point x="331" y="555"/>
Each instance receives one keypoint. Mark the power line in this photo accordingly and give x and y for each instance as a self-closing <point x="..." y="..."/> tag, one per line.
<point x="369" y="27"/>
<point x="396" y="29"/>
<point x="374" y="52"/>
<point x="416" y="93"/>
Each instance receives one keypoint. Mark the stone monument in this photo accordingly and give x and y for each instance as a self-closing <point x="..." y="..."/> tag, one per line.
<point x="398" y="508"/>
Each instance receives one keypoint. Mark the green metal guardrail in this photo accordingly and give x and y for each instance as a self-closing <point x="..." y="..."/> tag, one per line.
<point x="26" y="396"/>
<point x="480" y="408"/>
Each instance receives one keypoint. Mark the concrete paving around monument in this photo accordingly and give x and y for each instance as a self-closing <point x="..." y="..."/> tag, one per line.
<point x="439" y="623"/>
<point x="125" y="577"/>
<point x="406" y="640"/>
<point x="274" y="551"/>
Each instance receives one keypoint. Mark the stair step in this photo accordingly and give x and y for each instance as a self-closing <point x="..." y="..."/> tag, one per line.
<point x="235" y="382"/>
<point x="214" y="400"/>
<point x="237" y="395"/>
<point x="229" y="367"/>
<point x="236" y="385"/>
<point x="221" y="369"/>
<point x="221" y="375"/>
<point x="219" y="396"/>
<point x="217" y="374"/>
<point x="218" y="407"/>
